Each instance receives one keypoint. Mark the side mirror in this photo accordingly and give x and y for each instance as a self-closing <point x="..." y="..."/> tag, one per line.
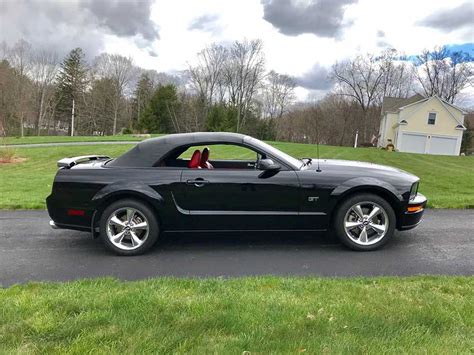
<point x="268" y="165"/>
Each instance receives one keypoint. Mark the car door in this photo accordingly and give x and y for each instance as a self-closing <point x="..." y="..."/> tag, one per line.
<point x="238" y="199"/>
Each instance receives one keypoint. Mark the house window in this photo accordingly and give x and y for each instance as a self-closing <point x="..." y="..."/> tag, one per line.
<point x="431" y="118"/>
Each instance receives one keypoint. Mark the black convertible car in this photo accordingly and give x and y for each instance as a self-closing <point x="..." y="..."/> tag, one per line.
<point x="172" y="184"/>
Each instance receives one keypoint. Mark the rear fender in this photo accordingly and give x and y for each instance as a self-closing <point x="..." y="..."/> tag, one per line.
<point x="124" y="189"/>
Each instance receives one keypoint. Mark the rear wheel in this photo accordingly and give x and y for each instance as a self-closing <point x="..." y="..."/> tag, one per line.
<point x="128" y="227"/>
<point x="365" y="222"/>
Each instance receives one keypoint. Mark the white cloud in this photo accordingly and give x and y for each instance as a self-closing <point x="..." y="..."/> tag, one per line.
<point x="230" y="20"/>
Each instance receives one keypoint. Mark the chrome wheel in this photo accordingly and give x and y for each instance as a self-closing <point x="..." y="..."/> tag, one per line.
<point x="366" y="223"/>
<point x="127" y="228"/>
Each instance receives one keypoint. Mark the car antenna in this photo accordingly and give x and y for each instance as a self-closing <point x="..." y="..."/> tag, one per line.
<point x="318" y="169"/>
<point x="317" y="153"/>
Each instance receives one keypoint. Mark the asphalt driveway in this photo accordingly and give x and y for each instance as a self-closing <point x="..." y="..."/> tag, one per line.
<point x="30" y="250"/>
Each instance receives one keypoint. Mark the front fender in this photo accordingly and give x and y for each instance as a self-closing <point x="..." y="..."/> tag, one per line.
<point x="361" y="183"/>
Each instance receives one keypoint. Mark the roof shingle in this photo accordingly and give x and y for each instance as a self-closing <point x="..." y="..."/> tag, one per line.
<point x="394" y="103"/>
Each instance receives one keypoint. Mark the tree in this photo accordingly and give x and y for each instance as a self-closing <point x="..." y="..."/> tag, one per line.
<point x="243" y="73"/>
<point x="141" y="96"/>
<point x="444" y="73"/>
<point x="43" y="71"/>
<point x="72" y="80"/>
<point x="19" y="58"/>
<point x="467" y="143"/>
<point x="278" y="95"/>
<point x="206" y="76"/>
<point x="120" y="69"/>
<point x="366" y="79"/>
<point x="100" y="108"/>
<point x="398" y="78"/>
<point x="359" y="78"/>
<point x="221" y="118"/>
<point x="7" y="97"/>
<point x="160" y="114"/>
<point x="332" y="120"/>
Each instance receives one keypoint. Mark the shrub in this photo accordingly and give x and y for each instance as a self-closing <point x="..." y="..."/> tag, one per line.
<point x="7" y="155"/>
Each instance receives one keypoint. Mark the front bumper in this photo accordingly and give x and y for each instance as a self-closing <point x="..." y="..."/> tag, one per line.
<point x="409" y="220"/>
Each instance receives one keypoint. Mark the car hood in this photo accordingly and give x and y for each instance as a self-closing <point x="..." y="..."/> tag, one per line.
<point x="360" y="166"/>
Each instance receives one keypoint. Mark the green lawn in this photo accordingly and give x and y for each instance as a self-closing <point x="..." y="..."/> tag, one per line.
<point x="425" y="315"/>
<point x="447" y="181"/>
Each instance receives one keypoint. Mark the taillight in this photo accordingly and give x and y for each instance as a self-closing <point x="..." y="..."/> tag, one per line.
<point x="73" y="212"/>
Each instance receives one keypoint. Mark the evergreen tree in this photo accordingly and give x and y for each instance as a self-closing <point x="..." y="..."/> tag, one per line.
<point x="221" y="118"/>
<point x="141" y="97"/>
<point x="72" y="80"/>
<point x="161" y="111"/>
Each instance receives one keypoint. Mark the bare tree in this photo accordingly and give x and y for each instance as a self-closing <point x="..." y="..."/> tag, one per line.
<point x="121" y="70"/>
<point x="243" y="73"/>
<point x="398" y="78"/>
<point x="278" y="94"/>
<point x="19" y="58"/>
<point x="3" y="50"/>
<point x="444" y="73"/>
<point x="359" y="79"/>
<point x="100" y="107"/>
<point x="206" y="78"/>
<point x="44" y="69"/>
<point x="207" y="74"/>
<point x="332" y="120"/>
<point x="366" y="79"/>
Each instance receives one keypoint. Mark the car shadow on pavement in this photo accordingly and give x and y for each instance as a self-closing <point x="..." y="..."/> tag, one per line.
<point x="267" y="240"/>
<point x="242" y="241"/>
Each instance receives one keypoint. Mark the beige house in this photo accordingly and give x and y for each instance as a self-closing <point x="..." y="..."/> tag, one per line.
<point x="421" y="125"/>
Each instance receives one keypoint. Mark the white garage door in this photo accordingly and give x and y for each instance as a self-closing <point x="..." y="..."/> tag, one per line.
<point x="443" y="145"/>
<point x="413" y="143"/>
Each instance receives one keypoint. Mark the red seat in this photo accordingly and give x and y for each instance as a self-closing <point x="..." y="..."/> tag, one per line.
<point x="195" y="160"/>
<point x="205" y="159"/>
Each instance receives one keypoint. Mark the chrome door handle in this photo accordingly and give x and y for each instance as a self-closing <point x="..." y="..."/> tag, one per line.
<point x="197" y="182"/>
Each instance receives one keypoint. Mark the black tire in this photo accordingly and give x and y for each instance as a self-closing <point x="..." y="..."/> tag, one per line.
<point x="343" y="211"/>
<point x="142" y="209"/>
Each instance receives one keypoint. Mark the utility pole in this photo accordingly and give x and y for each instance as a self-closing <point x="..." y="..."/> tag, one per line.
<point x="72" y="118"/>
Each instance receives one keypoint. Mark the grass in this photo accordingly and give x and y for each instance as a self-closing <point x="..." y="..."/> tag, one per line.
<point x="233" y="316"/>
<point x="447" y="181"/>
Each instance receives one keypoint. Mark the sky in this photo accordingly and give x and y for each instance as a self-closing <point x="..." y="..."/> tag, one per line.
<point x="302" y="38"/>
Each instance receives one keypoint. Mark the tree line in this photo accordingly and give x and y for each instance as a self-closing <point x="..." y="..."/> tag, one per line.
<point x="361" y="83"/>
<point x="228" y="88"/>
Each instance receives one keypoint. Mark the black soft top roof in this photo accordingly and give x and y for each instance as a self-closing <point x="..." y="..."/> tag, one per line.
<point x="148" y="152"/>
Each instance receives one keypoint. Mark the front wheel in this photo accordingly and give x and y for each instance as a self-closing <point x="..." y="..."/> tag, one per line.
<point x="128" y="227"/>
<point x="365" y="222"/>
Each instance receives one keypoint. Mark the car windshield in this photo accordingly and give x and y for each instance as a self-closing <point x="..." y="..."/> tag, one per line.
<point x="295" y="163"/>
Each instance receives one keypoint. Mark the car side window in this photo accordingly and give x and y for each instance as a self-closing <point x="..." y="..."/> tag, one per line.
<point x="215" y="156"/>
